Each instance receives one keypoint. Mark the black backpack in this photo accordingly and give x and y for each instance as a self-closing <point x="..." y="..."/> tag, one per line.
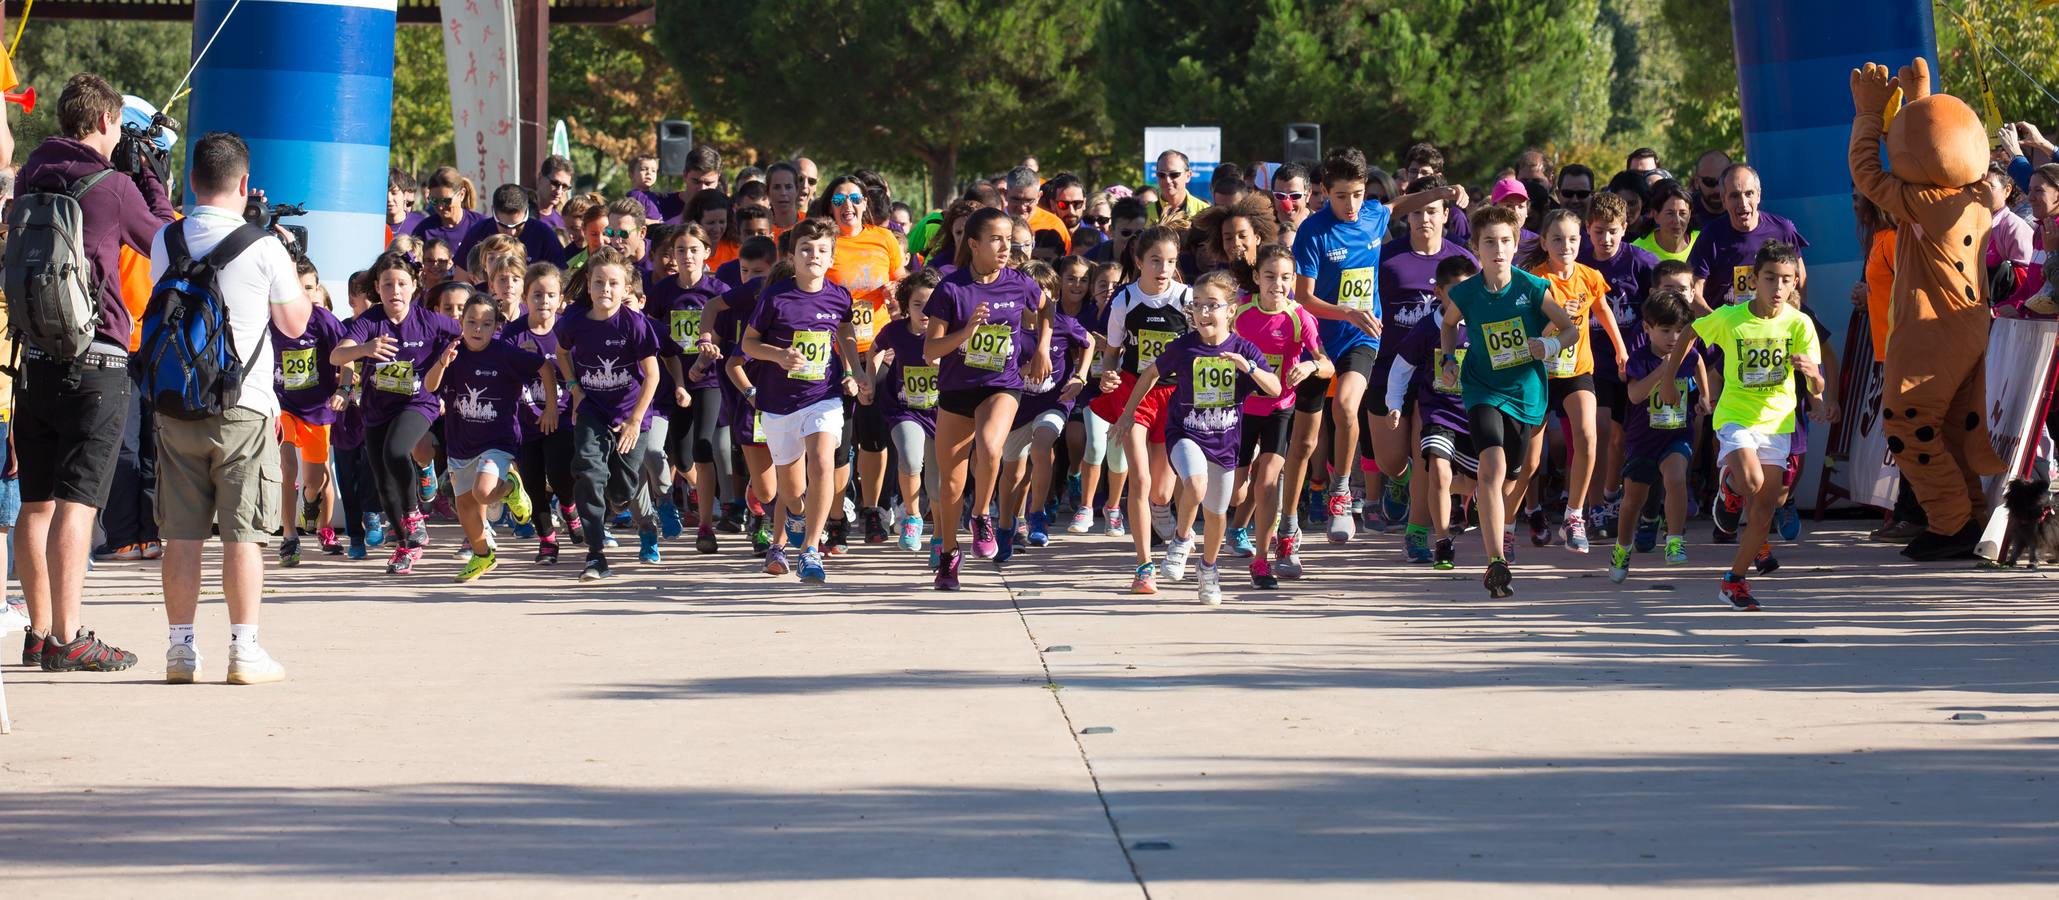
<point x="188" y="365"/>
<point x="51" y="286"/>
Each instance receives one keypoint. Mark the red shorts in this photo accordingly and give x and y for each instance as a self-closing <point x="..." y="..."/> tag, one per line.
<point x="1150" y="412"/>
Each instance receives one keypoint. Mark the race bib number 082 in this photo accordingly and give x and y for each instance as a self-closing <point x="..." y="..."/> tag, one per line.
<point x="1358" y="288"/>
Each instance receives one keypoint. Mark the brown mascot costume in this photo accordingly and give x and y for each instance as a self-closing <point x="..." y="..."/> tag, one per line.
<point x="1935" y="391"/>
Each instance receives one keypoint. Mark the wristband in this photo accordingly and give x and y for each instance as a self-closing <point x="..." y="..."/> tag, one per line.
<point x="1551" y="345"/>
<point x="751" y="393"/>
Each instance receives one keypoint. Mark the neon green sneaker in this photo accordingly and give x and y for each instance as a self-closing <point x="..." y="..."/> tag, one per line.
<point x="517" y="499"/>
<point x="479" y="566"/>
<point x="1676" y="551"/>
<point x="1619" y="563"/>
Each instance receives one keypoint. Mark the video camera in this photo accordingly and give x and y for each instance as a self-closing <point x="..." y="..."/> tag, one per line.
<point x="257" y="211"/>
<point x="146" y="141"/>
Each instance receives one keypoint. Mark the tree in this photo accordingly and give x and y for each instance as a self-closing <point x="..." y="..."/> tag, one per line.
<point x="141" y="58"/>
<point x="2007" y="34"/>
<point x="1705" y="114"/>
<point x="942" y="82"/>
<point x="421" y="102"/>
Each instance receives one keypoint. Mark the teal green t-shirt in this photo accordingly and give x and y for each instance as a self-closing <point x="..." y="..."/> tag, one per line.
<point x="1498" y="369"/>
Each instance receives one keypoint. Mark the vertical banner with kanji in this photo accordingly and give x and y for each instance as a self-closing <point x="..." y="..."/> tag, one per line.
<point x="477" y="46"/>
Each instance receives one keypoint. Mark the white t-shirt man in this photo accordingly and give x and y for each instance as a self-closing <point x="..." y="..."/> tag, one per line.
<point x="249" y="285"/>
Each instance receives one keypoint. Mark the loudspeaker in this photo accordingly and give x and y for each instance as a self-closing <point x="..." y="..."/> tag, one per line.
<point x="675" y="139"/>
<point x="1304" y="142"/>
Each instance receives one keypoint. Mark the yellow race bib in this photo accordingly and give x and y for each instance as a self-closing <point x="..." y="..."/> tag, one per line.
<point x="1741" y="285"/>
<point x="1151" y="346"/>
<point x="814" y="347"/>
<point x="862" y="323"/>
<point x="1669" y="415"/>
<point x="396" y="377"/>
<point x="686" y="327"/>
<point x="1508" y="344"/>
<point x="1762" y="362"/>
<point x="989" y="347"/>
<point x="297" y="369"/>
<point x="1358" y="288"/>
<point x="919" y="387"/>
<point x="1215" y="382"/>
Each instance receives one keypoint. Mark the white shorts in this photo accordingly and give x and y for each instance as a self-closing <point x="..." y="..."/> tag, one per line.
<point x="786" y="435"/>
<point x="1772" y="448"/>
<point x="464" y="473"/>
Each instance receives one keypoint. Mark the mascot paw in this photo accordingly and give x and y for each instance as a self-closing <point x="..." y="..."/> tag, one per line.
<point x="1915" y="79"/>
<point x="1872" y="88"/>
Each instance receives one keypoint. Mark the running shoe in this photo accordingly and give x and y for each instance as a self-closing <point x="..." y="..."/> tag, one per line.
<point x="622" y="519"/>
<point x="1162" y="522"/>
<point x="1619" y="563"/>
<point x="704" y="540"/>
<point x="838" y="539"/>
<point x="1117" y="526"/>
<point x="181" y="664"/>
<point x="522" y="532"/>
<point x="403" y="561"/>
<point x="1648" y="533"/>
<point x="1342" y="524"/>
<point x="416" y="530"/>
<point x="1004" y="551"/>
<point x="250" y="664"/>
<point x="357" y="549"/>
<point x="1540" y="528"/>
<point x="479" y="566"/>
<point x="32" y="648"/>
<point x="425" y="483"/>
<point x="309" y="510"/>
<point x="984" y="544"/>
<point x="647" y="548"/>
<point x="1211" y="591"/>
<point x="596" y="570"/>
<point x="1416" y="546"/>
<point x="1498" y="579"/>
<point x="608" y="541"/>
<point x="1676" y="551"/>
<point x="375" y="529"/>
<point x="327" y="537"/>
<point x="1445" y="557"/>
<point x="794" y="526"/>
<point x="1287" y="555"/>
<point x="575" y="528"/>
<point x="911" y="533"/>
<point x="1728" y="509"/>
<point x="1262" y="575"/>
<point x="1146" y="581"/>
<point x="153" y="549"/>
<point x="1575" y="533"/>
<point x="1737" y="594"/>
<point x="669" y="524"/>
<point x="1240" y="543"/>
<point x="519" y="507"/>
<point x="1082" y="520"/>
<point x="775" y="561"/>
<point x="761" y="535"/>
<point x="547" y="550"/>
<point x="1765" y="562"/>
<point x="811" y="567"/>
<point x="85" y="653"/>
<point x="1176" y="554"/>
<point x="1394" y="501"/>
<point x="1039" y="530"/>
<point x="947" y="571"/>
<point x="936" y="551"/>
<point x="732" y="521"/>
<point x="289" y="552"/>
<point x="1788" y="521"/>
<point x="123" y="553"/>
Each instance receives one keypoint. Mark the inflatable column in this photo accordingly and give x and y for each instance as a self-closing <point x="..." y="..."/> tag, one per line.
<point x="309" y="86"/>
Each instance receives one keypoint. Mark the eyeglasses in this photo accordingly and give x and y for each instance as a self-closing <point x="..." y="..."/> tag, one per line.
<point x="1130" y="232"/>
<point x="1096" y="221"/>
<point x="1296" y="196"/>
<point x="1069" y="204"/>
<point x="1209" y="306"/>
<point x="561" y="185"/>
<point x="1020" y="247"/>
<point x="616" y="233"/>
<point x="846" y="199"/>
<point x="439" y="201"/>
<point x="1575" y="195"/>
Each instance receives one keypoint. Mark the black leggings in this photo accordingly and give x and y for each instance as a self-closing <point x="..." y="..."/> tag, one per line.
<point x="391" y="449"/>
<point x="1489" y="427"/>
<point x="547" y="463"/>
<point x="693" y="437"/>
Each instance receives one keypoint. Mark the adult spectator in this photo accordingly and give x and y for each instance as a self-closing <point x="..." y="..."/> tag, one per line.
<point x="783" y="188"/>
<point x="1024" y="192"/>
<point x="1290" y="195"/>
<point x="1128" y="218"/>
<point x="2010" y="241"/>
<point x="809" y="178"/>
<point x="1066" y="197"/>
<point x="1574" y="187"/>
<point x="67" y="416"/>
<point x="1173" y="173"/>
<point x="511" y="217"/>
<point x="703" y="173"/>
<point x="1030" y="163"/>
<point x="1642" y="159"/>
<point x="1533" y="165"/>
<point x="553" y="190"/>
<point x="1708" y="186"/>
<point x="1723" y="255"/>
<point x="1672" y="235"/>
<point x="450" y="218"/>
<point x="222" y="472"/>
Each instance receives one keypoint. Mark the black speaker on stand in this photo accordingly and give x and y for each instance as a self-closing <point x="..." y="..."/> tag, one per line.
<point x="1304" y="143"/>
<point x="675" y="139"/>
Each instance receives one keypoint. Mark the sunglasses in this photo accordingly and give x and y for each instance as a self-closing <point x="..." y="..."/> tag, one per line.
<point x="616" y="233"/>
<point x="439" y="201"/>
<point x="1710" y="182"/>
<point x="1576" y="195"/>
<point x="1020" y="248"/>
<point x="1177" y="173"/>
<point x="1130" y="232"/>
<point x="846" y="199"/>
<point x="561" y="185"/>
<point x="1069" y="204"/>
<point x="1296" y="196"/>
<point x="1096" y="221"/>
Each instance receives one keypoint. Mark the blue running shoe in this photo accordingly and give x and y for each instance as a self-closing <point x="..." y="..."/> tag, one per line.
<point x="621" y="520"/>
<point x="647" y="546"/>
<point x="669" y="523"/>
<point x="1004" y="550"/>
<point x="1788" y="521"/>
<point x="794" y="526"/>
<point x="356" y="551"/>
<point x="1417" y="545"/>
<point x="1394" y="500"/>
<point x="525" y="531"/>
<point x="811" y="566"/>
<point x="1240" y="543"/>
<point x="1315" y="508"/>
<point x="427" y="483"/>
<point x="1647" y="536"/>
<point x="375" y="529"/>
<point x="1039" y="530"/>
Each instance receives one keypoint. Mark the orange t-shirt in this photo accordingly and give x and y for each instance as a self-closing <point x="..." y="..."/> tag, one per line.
<point x="1880" y="284"/>
<point x="1577" y="292"/>
<point x="1041" y="219"/>
<point x="135" y="275"/>
<point x="865" y="264"/>
<point x="724" y="252"/>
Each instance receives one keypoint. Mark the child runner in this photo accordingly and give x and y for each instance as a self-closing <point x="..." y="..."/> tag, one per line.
<point x="545" y="455"/>
<point x="1408" y="295"/>
<point x="1143" y="319"/>
<point x="1097" y="451"/>
<point x="305" y="382"/>
<point x="609" y="357"/>
<point x="907" y="400"/>
<point x="480" y="378"/>
<point x="1040" y="420"/>
<point x="1509" y="321"/>
<point x="1287" y="337"/>
<point x="1627" y="270"/>
<point x="1208" y="368"/>
<point x="974" y="317"/>
<point x="398" y="341"/>
<point x="722" y="330"/>
<point x="1764" y="343"/>
<point x="802" y="326"/>
<point x="1581" y="292"/>
<point x="678" y="304"/>
<point x="1450" y="462"/>
<point x="347" y="437"/>
<point x="1076" y="292"/>
<point x="1657" y="443"/>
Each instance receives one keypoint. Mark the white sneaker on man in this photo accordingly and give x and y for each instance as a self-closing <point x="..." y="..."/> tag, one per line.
<point x="181" y="664"/>
<point x="250" y="664"/>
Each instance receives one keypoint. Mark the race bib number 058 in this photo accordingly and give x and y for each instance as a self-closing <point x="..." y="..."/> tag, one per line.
<point x="1508" y="345"/>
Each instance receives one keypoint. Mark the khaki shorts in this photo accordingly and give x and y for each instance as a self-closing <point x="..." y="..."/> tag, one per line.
<point x="222" y="471"/>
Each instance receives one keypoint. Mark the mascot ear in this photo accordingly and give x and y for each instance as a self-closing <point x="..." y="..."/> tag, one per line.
<point x="1915" y="79"/>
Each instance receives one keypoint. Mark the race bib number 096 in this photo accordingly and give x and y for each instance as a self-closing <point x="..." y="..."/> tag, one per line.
<point x="919" y="387"/>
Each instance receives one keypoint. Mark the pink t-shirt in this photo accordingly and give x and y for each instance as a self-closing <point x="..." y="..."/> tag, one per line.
<point x="1284" y="344"/>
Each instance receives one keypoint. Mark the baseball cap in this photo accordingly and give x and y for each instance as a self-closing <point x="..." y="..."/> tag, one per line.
<point x="1506" y="188"/>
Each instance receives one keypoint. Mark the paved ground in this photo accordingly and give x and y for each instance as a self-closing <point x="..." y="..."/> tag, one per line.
<point x="1376" y="729"/>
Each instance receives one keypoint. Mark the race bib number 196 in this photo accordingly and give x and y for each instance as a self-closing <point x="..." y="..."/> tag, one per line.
<point x="1215" y="382"/>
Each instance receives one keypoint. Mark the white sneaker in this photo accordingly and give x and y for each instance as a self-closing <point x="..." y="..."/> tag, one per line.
<point x="1082" y="520"/>
<point x="181" y="664"/>
<point x="1211" y="585"/>
<point x="250" y="664"/>
<point x="1176" y="553"/>
<point x="14" y="617"/>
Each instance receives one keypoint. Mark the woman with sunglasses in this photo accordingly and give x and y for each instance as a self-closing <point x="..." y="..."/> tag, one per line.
<point x="868" y="263"/>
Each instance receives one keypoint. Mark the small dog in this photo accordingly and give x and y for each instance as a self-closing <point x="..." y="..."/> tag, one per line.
<point x="2032" y="526"/>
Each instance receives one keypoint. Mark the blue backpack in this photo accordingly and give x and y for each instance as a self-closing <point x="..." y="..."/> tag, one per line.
<point x="188" y="365"/>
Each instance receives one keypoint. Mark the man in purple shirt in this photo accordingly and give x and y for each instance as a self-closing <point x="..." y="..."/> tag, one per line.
<point x="448" y="219"/>
<point x="553" y="189"/>
<point x="511" y="217"/>
<point x="69" y="413"/>
<point x="1722" y="256"/>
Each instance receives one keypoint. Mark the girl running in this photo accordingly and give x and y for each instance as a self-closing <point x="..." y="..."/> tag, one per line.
<point x="479" y="378"/>
<point x="1287" y="336"/>
<point x="678" y="305"/>
<point x="609" y="358"/>
<point x="1143" y="320"/>
<point x="1581" y="292"/>
<point x="907" y="400"/>
<point x="1040" y="419"/>
<point x="545" y="455"/>
<point x="1096" y="450"/>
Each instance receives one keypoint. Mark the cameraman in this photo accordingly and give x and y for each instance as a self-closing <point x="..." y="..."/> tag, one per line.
<point x="69" y="413"/>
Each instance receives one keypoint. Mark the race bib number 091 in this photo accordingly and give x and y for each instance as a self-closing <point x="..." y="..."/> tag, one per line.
<point x="814" y="347"/>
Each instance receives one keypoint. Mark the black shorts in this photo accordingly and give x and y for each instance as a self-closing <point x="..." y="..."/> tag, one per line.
<point x="1311" y="395"/>
<point x="1558" y="389"/>
<point x="68" y="425"/>
<point x="1265" y="434"/>
<point x="965" y="401"/>
<point x="869" y="428"/>
<point x="1490" y="427"/>
<point x="1613" y="397"/>
<point x="1452" y="446"/>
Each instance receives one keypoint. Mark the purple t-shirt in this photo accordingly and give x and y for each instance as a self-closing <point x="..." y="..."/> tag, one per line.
<point x="431" y="228"/>
<point x="1435" y="404"/>
<point x="482" y="393"/>
<point x="652" y="212"/>
<point x="408" y="223"/>
<point x="538" y="239"/>
<point x="1207" y="402"/>
<point x="677" y="311"/>
<point x="301" y="375"/>
<point x="607" y="356"/>
<point x="396" y="385"/>
<point x="988" y="358"/>
<point x="1723" y="256"/>
<point x="907" y="390"/>
<point x="787" y="316"/>
<point x="1408" y="294"/>
<point x="1067" y="335"/>
<point x="1628" y="275"/>
<point x="518" y="334"/>
<point x="1650" y="427"/>
<point x="737" y="305"/>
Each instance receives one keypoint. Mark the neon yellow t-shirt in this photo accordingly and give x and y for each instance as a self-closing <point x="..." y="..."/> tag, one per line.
<point x="1758" y="369"/>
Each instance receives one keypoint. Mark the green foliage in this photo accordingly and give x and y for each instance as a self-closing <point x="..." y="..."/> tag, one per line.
<point x="2026" y="31"/>
<point x="141" y="58"/>
<point x="1705" y="114"/>
<point x="421" y="102"/>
